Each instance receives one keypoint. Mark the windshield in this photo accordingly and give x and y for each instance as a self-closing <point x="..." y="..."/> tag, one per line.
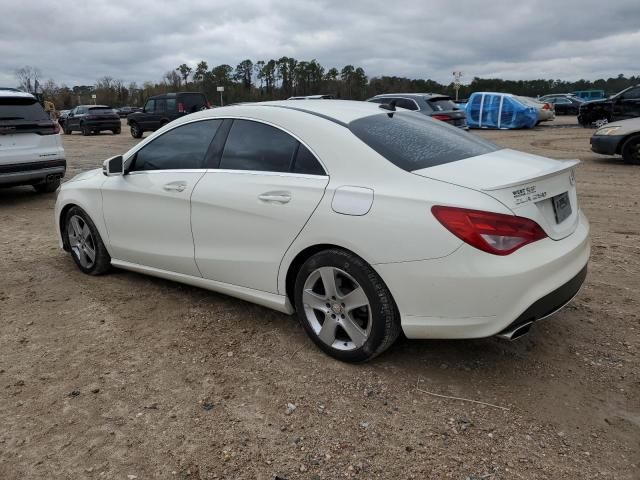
<point x="443" y="104"/>
<point x="13" y="108"/>
<point x="413" y="141"/>
<point x="100" y="110"/>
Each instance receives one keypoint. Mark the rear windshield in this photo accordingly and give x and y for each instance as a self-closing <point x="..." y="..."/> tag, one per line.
<point x="443" y="104"/>
<point x="193" y="102"/>
<point x="101" y="110"/>
<point x="413" y="141"/>
<point x="12" y="108"/>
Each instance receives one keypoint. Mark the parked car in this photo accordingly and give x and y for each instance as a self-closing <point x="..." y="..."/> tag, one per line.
<point x="31" y="151"/>
<point x="499" y="110"/>
<point x="588" y="95"/>
<point x="544" y="109"/>
<point x="90" y="119"/>
<point x="333" y="221"/>
<point x="439" y="107"/>
<point x="162" y="109"/>
<point x="313" y="97"/>
<point x="125" y="111"/>
<point x="62" y="116"/>
<point x="619" y="138"/>
<point x="621" y="106"/>
<point x="564" y="104"/>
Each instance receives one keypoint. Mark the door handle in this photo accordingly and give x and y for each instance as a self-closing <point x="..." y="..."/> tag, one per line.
<point x="275" y="197"/>
<point x="174" y="187"/>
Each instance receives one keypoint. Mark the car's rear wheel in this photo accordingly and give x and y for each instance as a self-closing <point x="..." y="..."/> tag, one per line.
<point x="136" y="131"/>
<point x="631" y="150"/>
<point x="47" y="187"/>
<point x="117" y="131"/>
<point x="345" y="307"/>
<point x="66" y="129"/>
<point x="85" y="243"/>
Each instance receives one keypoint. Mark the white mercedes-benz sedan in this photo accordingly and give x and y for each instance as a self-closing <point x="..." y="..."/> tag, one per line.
<point x="363" y="219"/>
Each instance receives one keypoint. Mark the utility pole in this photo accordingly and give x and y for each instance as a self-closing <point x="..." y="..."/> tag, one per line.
<point x="220" y="89"/>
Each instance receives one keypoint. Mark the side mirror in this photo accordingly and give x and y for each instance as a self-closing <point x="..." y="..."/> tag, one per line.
<point x="113" y="167"/>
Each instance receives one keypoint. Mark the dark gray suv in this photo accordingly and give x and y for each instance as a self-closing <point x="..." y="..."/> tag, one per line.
<point x="439" y="107"/>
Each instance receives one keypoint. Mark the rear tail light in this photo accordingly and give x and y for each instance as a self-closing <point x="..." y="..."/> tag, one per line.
<point x="490" y="232"/>
<point x="443" y="118"/>
<point x="181" y="108"/>
<point x="48" y="128"/>
<point x="208" y="105"/>
<point x="546" y="106"/>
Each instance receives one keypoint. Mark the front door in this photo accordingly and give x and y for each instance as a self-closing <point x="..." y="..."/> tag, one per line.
<point x="627" y="105"/>
<point x="246" y="213"/>
<point x="147" y="210"/>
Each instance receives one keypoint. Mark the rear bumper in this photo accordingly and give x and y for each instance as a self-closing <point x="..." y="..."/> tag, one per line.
<point x="605" y="144"/>
<point x="103" y="125"/>
<point x="471" y="294"/>
<point x="32" y="172"/>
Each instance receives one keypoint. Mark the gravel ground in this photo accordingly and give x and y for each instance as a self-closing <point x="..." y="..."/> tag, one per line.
<point x="126" y="376"/>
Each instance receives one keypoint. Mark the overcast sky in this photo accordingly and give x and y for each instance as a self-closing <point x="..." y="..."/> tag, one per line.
<point x="77" y="42"/>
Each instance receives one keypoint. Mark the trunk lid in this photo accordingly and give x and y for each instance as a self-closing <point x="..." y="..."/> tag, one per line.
<point x="529" y="185"/>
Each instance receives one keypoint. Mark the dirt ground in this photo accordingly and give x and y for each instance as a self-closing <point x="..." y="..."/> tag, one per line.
<point x="126" y="376"/>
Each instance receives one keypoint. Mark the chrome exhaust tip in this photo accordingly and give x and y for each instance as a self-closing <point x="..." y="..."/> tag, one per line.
<point x="516" y="332"/>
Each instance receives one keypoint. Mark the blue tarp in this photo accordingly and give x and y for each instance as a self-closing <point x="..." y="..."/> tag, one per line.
<point x="499" y="110"/>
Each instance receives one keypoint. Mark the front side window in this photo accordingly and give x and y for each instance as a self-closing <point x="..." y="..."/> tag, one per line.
<point x="150" y="106"/>
<point x="256" y="146"/>
<point x="412" y="141"/>
<point x="183" y="147"/>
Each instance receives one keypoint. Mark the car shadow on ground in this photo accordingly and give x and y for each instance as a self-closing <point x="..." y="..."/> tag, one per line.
<point x="21" y="196"/>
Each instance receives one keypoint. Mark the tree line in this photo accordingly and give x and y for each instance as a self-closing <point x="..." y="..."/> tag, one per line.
<point x="278" y="79"/>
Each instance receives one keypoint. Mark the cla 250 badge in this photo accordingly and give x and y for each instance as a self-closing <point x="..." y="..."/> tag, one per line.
<point x="527" y="194"/>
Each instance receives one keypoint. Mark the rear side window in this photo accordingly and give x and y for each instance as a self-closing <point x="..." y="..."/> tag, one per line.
<point x="183" y="147"/>
<point x="306" y="163"/>
<point x="443" y="104"/>
<point x="406" y="103"/>
<point x="14" y="108"/>
<point x="256" y="146"/>
<point x="412" y="141"/>
<point x="193" y="103"/>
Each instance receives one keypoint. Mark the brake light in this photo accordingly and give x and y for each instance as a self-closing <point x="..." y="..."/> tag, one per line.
<point x="441" y="117"/>
<point x="546" y="106"/>
<point x="490" y="232"/>
<point x="181" y="108"/>
<point x="49" y="128"/>
<point x="56" y="127"/>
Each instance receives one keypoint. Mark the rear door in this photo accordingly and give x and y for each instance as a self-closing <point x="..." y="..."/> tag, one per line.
<point x="147" y="211"/>
<point x="246" y="213"/>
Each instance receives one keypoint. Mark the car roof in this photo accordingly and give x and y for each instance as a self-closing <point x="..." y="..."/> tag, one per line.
<point x="338" y="111"/>
<point x="13" y="92"/>
<point x="95" y="106"/>
<point x="413" y="95"/>
<point x="175" y="94"/>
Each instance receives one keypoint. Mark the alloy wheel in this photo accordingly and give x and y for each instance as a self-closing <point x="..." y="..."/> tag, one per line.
<point x="337" y="308"/>
<point x="81" y="241"/>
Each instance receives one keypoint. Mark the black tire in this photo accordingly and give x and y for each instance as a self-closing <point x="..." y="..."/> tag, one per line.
<point x="47" y="187"/>
<point x="383" y="315"/>
<point x="102" y="261"/>
<point x="86" y="131"/>
<point x="66" y="129"/>
<point x="117" y="131"/>
<point x="136" y="131"/>
<point x="631" y="150"/>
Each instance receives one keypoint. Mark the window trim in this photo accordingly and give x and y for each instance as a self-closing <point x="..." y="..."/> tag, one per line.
<point x="216" y="162"/>
<point x="131" y="158"/>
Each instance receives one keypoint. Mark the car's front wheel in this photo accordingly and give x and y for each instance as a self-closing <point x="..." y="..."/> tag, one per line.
<point x="136" y="131"/>
<point x="85" y="243"/>
<point x="86" y="131"/>
<point x="631" y="150"/>
<point x="345" y="307"/>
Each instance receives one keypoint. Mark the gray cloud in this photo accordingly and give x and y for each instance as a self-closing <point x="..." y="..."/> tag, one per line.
<point x="78" y="42"/>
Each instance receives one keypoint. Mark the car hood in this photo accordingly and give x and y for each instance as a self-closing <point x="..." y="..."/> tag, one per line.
<point x="85" y="175"/>
<point x="626" y="126"/>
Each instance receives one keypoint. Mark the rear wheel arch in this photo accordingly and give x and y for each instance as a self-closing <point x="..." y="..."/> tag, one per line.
<point x="302" y="257"/>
